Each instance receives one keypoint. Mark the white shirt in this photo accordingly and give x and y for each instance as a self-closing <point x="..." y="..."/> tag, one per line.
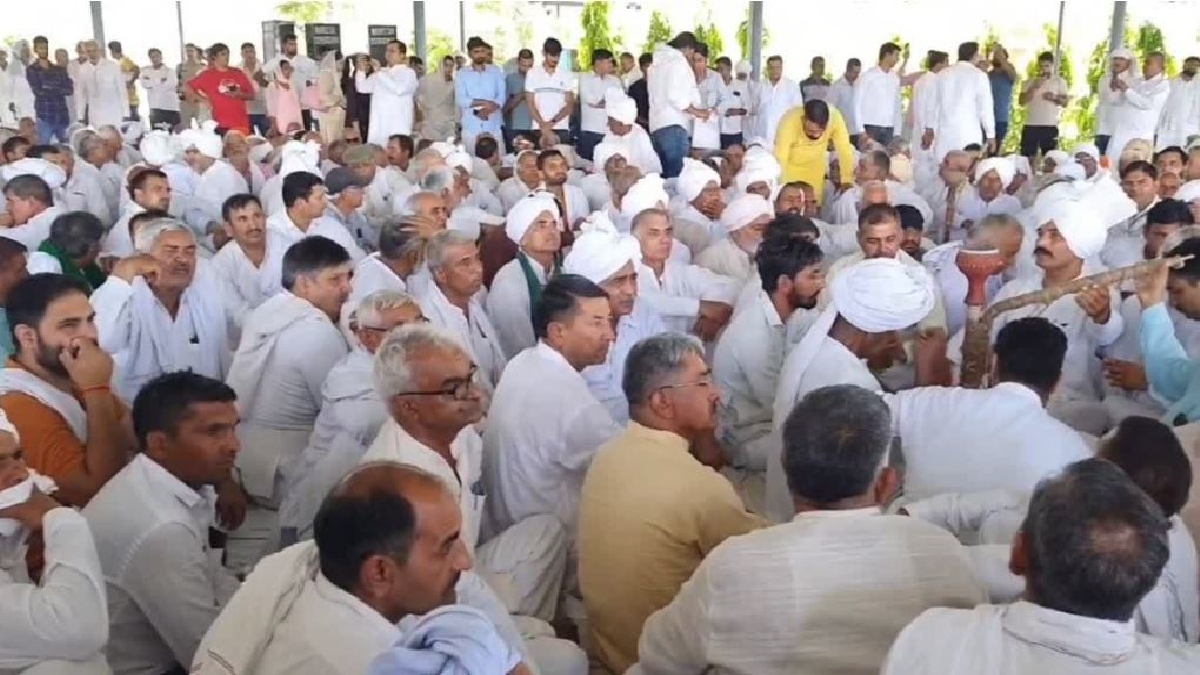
<point x="473" y="329"/>
<point x="641" y="151"/>
<point x="372" y="274"/>
<point x="921" y="106"/>
<point x="544" y="426"/>
<point x="726" y="258"/>
<point x="35" y="231"/>
<point x="740" y="95"/>
<point x="593" y="90"/>
<point x="877" y="100"/>
<point x="676" y="296"/>
<point x="392" y="89"/>
<point x="1180" y="114"/>
<point x="972" y="208"/>
<point x="822" y="576"/>
<point x="1126" y="241"/>
<point x="165" y="585"/>
<point x="671" y="89"/>
<point x="845" y="209"/>
<point x="103" y="97"/>
<point x="841" y="96"/>
<point x="774" y="101"/>
<point x="940" y="261"/>
<point x="36" y="629"/>
<point x="513" y="190"/>
<point x="508" y="305"/>
<point x="1043" y="113"/>
<point x="963" y="105"/>
<point x="1135" y="112"/>
<point x="604" y="380"/>
<point x="219" y="182"/>
<point x="83" y="192"/>
<point x="240" y="279"/>
<point x="550" y="90"/>
<point x="161" y="85"/>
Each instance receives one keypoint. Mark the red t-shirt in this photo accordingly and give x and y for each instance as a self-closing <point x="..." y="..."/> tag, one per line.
<point x="227" y="111"/>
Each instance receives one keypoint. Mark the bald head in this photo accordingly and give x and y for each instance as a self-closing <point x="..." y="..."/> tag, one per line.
<point x="958" y="159"/>
<point x="400" y="479"/>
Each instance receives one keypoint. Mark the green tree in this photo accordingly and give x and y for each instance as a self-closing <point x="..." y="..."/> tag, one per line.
<point x="1082" y="116"/>
<point x="1150" y="39"/>
<point x="304" y="11"/>
<point x="659" y="33"/>
<point x="711" y="36"/>
<point x="743" y="36"/>
<point x="905" y="92"/>
<point x="596" y="32"/>
<point x="1016" y="116"/>
<point x="438" y="46"/>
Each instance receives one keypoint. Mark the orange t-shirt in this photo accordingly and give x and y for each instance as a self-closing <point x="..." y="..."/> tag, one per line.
<point x="50" y="446"/>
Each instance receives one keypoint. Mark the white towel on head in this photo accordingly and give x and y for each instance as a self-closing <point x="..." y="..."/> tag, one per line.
<point x="694" y="178"/>
<point x="1058" y="157"/>
<point x="875" y="296"/>
<point x="1072" y="170"/>
<point x="758" y="167"/>
<point x="620" y="107"/>
<point x="1089" y="149"/>
<point x="1189" y="192"/>
<point x="743" y="68"/>
<point x="157" y="149"/>
<point x="1079" y="224"/>
<point x="53" y="174"/>
<point x="605" y="151"/>
<point x="523" y="213"/>
<point x="1001" y="165"/>
<point x="19" y="494"/>
<point x="647" y="193"/>
<point x="204" y="140"/>
<point x="743" y="210"/>
<point x="600" y="251"/>
<point x="1021" y="165"/>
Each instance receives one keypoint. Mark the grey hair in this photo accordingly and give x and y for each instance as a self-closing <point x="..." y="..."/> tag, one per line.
<point x="409" y="207"/>
<point x="393" y="370"/>
<point x="370" y="308"/>
<point x="420" y="163"/>
<point x="653" y="361"/>
<point x="439" y="179"/>
<point x="898" y="146"/>
<point x="835" y="442"/>
<point x="88" y="143"/>
<point x="441" y="243"/>
<point x="108" y="131"/>
<point x="643" y="216"/>
<point x="983" y="232"/>
<point x="148" y="234"/>
<point x="397" y="239"/>
<point x="871" y="184"/>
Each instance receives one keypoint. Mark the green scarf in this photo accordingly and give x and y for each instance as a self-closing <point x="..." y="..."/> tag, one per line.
<point x="91" y="275"/>
<point x="531" y="278"/>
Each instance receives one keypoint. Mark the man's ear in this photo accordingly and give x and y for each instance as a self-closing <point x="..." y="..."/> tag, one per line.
<point x="887" y="485"/>
<point x="1018" y="562"/>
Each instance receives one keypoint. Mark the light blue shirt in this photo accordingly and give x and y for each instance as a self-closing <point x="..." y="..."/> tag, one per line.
<point x="520" y="114"/>
<point x="486" y="85"/>
<point x="6" y="343"/>
<point x="1171" y="373"/>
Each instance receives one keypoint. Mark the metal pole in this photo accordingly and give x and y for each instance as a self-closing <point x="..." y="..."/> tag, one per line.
<point x="756" y="33"/>
<point x="462" y="26"/>
<point x="98" y="23"/>
<point x="179" y="21"/>
<point x="1116" y="39"/>
<point x="419" y="29"/>
<point x="1062" y="10"/>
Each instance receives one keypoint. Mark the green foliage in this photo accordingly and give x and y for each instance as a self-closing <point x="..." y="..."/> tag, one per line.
<point x="711" y="36"/>
<point x="304" y="11"/>
<point x="905" y="92"/>
<point x="743" y="36"/>
<point x="1150" y="39"/>
<point x="659" y="33"/>
<point x="596" y="32"/>
<point x="438" y="46"/>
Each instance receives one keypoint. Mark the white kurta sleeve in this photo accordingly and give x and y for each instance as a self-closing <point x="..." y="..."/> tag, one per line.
<point x="1106" y="334"/>
<point x="983" y="102"/>
<point x="591" y="427"/>
<point x="114" y="319"/>
<point x="675" y="638"/>
<point x="473" y="591"/>
<point x="66" y="616"/>
<point x="955" y="513"/>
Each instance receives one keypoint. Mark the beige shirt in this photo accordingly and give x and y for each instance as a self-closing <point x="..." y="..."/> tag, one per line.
<point x="1043" y="113"/>
<point x="648" y="515"/>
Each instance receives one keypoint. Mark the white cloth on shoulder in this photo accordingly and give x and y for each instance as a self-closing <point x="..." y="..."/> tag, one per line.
<point x="450" y="640"/>
<point x="25" y="382"/>
<point x="19" y="494"/>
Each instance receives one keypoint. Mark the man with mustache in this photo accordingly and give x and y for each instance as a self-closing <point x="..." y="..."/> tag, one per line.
<point x="802" y="147"/>
<point x="240" y="263"/>
<point x="1179" y="121"/>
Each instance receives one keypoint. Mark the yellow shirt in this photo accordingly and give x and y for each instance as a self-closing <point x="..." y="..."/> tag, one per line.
<point x="806" y="159"/>
<point x="128" y="67"/>
<point x="648" y="514"/>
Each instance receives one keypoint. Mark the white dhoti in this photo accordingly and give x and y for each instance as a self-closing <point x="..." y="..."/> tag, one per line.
<point x="265" y="453"/>
<point x="525" y="566"/>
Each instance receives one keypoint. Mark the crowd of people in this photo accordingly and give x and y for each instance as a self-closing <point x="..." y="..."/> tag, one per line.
<point x="338" y="366"/>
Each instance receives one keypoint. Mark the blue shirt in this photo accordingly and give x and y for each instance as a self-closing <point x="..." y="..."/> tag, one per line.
<point x="1170" y="372"/>
<point x="6" y="343"/>
<point x="1002" y="92"/>
<point x="520" y="119"/>
<point x="485" y="85"/>
<point x="51" y="86"/>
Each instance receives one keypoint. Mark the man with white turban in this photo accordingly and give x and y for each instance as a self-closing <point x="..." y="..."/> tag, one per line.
<point x="607" y="158"/>
<point x="760" y="175"/>
<point x="611" y="260"/>
<point x="1067" y="239"/>
<point x="1135" y="103"/>
<point x="870" y="303"/>
<point x="533" y="226"/>
<point x="218" y="180"/>
<point x="293" y="156"/>
<point x="623" y="129"/>
<point x="744" y="221"/>
<point x="989" y="195"/>
<point x="697" y="218"/>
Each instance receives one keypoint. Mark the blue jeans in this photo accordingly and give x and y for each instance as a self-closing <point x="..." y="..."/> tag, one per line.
<point x="260" y="124"/>
<point x="49" y="131"/>
<point x="671" y="144"/>
<point x="588" y="140"/>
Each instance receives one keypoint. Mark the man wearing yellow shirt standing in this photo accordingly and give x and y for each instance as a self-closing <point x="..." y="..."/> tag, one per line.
<point x="802" y="144"/>
<point x="130" y="71"/>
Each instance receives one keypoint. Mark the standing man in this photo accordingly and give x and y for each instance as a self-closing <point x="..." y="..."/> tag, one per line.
<point x="1180" y="116"/>
<point x="436" y="98"/>
<point x="674" y="101"/>
<point x="962" y="106"/>
<point x="877" y="97"/>
<point x="226" y="91"/>
<point x="392" y="88"/>
<point x="1002" y="76"/>
<point x="1136" y="104"/>
<point x="516" y="110"/>
<point x="841" y="96"/>
<point x="51" y="86"/>
<point x="129" y="73"/>
<point x="304" y="72"/>
<point x="1044" y="97"/>
<point x="776" y="96"/>
<point x="594" y="90"/>
<point x="816" y="85"/>
<point x="191" y="67"/>
<point x="740" y="102"/>
<point x="478" y="94"/>
<point x="256" y="107"/>
<point x="549" y="95"/>
<point x="640" y="93"/>
<point x="161" y="83"/>
<point x="802" y="147"/>
<point x="103" y="94"/>
<point x="630" y="72"/>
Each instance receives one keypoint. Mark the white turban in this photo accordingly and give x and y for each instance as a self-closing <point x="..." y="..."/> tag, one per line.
<point x="460" y="159"/>
<point x="132" y="131"/>
<point x="758" y="167"/>
<point x="53" y="174"/>
<point x="1189" y="192"/>
<point x="1002" y="166"/>
<point x="156" y="148"/>
<point x="902" y="169"/>
<point x="296" y="156"/>
<point x="875" y="296"/>
<point x="1088" y="149"/>
<point x="1121" y="53"/>
<point x="524" y="212"/>
<point x="1022" y="165"/>
<point x="620" y="107"/>
<point x="19" y="494"/>
<point x="600" y="251"/>
<point x="1058" y="157"/>
<point x="694" y="178"/>
<point x="1072" y="170"/>
<point x="1079" y="224"/>
<point x="605" y="151"/>
<point x="444" y="148"/>
<point x="743" y="68"/>
<point x="743" y="210"/>
<point x="259" y="153"/>
<point x="205" y="140"/>
<point x="647" y="193"/>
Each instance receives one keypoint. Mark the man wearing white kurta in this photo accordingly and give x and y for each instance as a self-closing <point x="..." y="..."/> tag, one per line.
<point x="696" y="211"/>
<point x="875" y="166"/>
<point x="744" y="220"/>
<point x="776" y="96"/>
<point x="293" y="156"/>
<point x="1080" y="593"/>
<point x="533" y="226"/>
<point x="611" y="260"/>
<point x="1127" y="238"/>
<point x="350" y="417"/>
<point x="962" y="105"/>
<point x="289" y="345"/>
<point x="1180" y="118"/>
<point x="989" y="196"/>
<point x="869" y="303"/>
<point x="745" y="605"/>
<point x="877" y="111"/>
<point x="103" y="95"/>
<point x="217" y="180"/>
<point x="624" y="130"/>
<point x="31" y="209"/>
<point x="240" y="262"/>
<point x="1136" y="103"/>
<point x="392" y="88"/>
<point x="1002" y="233"/>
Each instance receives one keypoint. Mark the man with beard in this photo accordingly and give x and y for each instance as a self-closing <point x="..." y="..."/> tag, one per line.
<point x="750" y="353"/>
<point x="698" y="222"/>
<point x="745" y="220"/>
<point x="56" y="388"/>
<point x="149" y="190"/>
<point x="573" y="201"/>
<point x="802" y="146"/>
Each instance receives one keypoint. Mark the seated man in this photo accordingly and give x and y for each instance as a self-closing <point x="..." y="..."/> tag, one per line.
<point x="38" y="635"/>
<point x="649" y="510"/>
<point x="30" y="210"/>
<point x="697" y="217"/>
<point x="1091" y="546"/>
<point x="387" y="546"/>
<point x="72" y="248"/>
<point x="830" y="590"/>
<point x="239" y="265"/>
<point x="165" y="582"/>
<point x="533" y="226"/>
<point x="873" y="166"/>
<point x="744" y="221"/>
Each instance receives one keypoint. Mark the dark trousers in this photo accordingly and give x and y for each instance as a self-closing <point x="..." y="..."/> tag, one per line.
<point x="1038" y="139"/>
<point x="260" y="124"/>
<point x="1001" y="134"/>
<point x="1102" y="143"/>
<point x="169" y="118"/>
<point x="588" y="140"/>
<point x="728" y="140"/>
<point x="881" y="135"/>
<point x="306" y="117"/>
<point x="510" y="137"/>
<point x="133" y="114"/>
